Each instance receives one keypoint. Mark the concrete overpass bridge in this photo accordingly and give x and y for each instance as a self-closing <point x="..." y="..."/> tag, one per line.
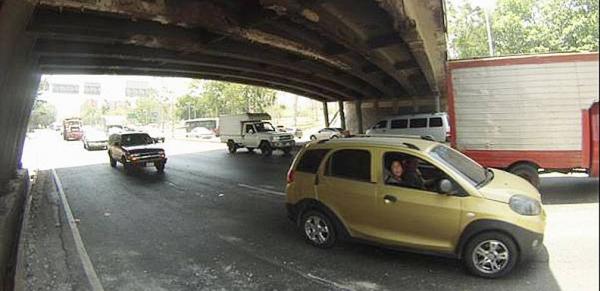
<point x="352" y="52"/>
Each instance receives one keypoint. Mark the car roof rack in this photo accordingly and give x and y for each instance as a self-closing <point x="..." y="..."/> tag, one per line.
<point x="423" y="137"/>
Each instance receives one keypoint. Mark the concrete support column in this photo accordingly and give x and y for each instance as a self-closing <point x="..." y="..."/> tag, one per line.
<point x="19" y="80"/>
<point x="359" y="117"/>
<point x="326" y="114"/>
<point x="342" y="114"/>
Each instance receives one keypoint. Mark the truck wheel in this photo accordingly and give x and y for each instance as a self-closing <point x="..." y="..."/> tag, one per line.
<point x="287" y="150"/>
<point x="113" y="162"/>
<point x="266" y="149"/>
<point x="528" y="172"/>
<point x="231" y="146"/>
<point x="490" y="255"/>
<point x="160" y="167"/>
<point x="126" y="166"/>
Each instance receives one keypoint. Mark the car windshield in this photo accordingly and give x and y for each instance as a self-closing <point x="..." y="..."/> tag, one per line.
<point x="264" y="127"/>
<point x="136" y="139"/>
<point x="472" y="171"/>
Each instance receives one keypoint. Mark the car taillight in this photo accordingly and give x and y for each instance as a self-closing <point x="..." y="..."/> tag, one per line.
<point x="290" y="176"/>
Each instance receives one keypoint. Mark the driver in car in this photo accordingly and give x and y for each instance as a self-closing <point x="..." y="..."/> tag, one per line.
<point x="405" y="174"/>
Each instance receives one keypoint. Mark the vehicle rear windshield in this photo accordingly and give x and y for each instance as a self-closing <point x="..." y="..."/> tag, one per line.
<point x="136" y="139"/>
<point x="310" y="161"/>
<point x="435" y="122"/>
<point x="469" y="169"/>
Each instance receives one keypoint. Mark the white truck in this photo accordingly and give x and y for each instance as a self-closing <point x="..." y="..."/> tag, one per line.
<point x="252" y="131"/>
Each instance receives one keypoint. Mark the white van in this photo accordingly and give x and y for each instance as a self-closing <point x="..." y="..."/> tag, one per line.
<point x="435" y="125"/>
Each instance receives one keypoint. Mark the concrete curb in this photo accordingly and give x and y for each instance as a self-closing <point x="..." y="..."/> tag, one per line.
<point x="12" y="206"/>
<point x="19" y="275"/>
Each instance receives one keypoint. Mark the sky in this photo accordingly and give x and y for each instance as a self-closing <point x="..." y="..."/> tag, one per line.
<point x="112" y="87"/>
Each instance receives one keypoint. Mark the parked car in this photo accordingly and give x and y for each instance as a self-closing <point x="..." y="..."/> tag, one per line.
<point x="253" y="130"/>
<point x="416" y="194"/>
<point x="157" y="134"/>
<point x="94" y="139"/>
<point x="292" y="130"/>
<point x="434" y="125"/>
<point x="329" y="133"/>
<point x="201" y="132"/>
<point x="135" y="150"/>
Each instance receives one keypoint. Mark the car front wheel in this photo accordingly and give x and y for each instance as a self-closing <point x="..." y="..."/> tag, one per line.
<point x="113" y="162"/>
<point x="318" y="229"/>
<point x="490" y="255"/>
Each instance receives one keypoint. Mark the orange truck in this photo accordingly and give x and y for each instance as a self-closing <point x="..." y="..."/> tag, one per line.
<point x="527" y="114"/>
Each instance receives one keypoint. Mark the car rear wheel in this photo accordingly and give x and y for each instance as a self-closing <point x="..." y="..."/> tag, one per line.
<point x="318" y="229"/>
<point x="490" y="255"/>
<point x="312" y="137"/>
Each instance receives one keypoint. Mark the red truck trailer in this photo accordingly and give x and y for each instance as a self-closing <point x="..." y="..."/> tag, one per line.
<point x="72" y="128"/>
<point x="527" y="114"/>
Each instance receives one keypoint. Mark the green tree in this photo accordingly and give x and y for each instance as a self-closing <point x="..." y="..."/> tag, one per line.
<point x="524" y="27"/>
<point x="214" y="98"/>
<point x="148" y="109"/>
<point x="91" y="112"/>
<point x="42" y="115"/>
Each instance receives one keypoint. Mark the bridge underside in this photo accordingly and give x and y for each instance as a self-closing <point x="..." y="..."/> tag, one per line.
<point x="328" y="50"/>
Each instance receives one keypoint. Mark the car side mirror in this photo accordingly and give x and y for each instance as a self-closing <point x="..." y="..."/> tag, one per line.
<point x="445" y="186"/>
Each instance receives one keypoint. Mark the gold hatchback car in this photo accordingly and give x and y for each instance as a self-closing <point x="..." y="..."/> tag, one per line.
<point x="414" y="194"/>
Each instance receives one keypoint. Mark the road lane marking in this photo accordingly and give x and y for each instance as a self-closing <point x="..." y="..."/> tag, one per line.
<point x="83" y="255"/>
<point x="262" y="190"/>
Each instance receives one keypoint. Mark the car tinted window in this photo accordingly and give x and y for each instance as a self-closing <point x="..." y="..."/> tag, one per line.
<point x="350" y="164"/>
<point x="418" y="123"/>
<point x="435" y="122"/>
<point x="136" y="139"/>
<point x="399" y="123"/>
<point x="381" y="124"/>
<point x="310" y="161"/>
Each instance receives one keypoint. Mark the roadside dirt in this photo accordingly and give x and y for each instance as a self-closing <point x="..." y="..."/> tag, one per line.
<point x="50" y="260"/>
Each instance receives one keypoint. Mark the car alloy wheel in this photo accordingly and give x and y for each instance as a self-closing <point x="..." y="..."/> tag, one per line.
<point x="316" y="230"/>
<point x="490" y="256"/>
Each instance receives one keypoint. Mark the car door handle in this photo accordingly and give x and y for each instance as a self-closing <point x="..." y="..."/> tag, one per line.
<point x="389" y="199"/>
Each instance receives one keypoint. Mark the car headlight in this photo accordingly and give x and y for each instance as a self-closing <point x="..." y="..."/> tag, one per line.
<point x="524" y="205"/>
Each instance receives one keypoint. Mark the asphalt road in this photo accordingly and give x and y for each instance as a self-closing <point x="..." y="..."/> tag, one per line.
<point x="217" y="221"/>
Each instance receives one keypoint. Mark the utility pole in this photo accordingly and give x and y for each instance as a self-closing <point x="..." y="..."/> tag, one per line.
<point x="189" y="106"/>
<point x="295" y="110"/>
<point x="488" y="27"/>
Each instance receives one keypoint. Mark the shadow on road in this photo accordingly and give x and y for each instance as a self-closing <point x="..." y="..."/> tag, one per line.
<point x="569" y="190"/>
